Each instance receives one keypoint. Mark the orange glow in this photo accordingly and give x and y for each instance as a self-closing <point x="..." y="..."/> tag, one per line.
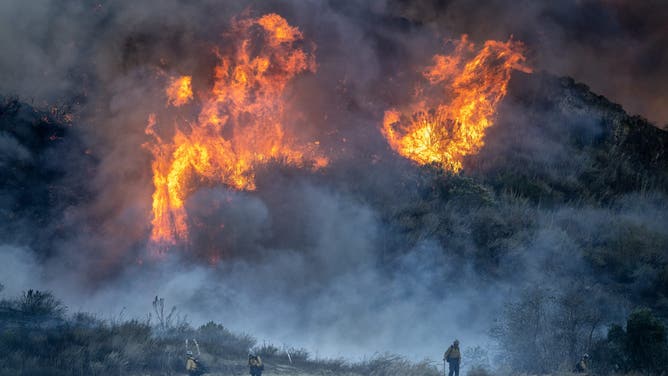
<point x="445" y="127"/>
<point x="179" y="91"/>
<point x="240" y="125"/>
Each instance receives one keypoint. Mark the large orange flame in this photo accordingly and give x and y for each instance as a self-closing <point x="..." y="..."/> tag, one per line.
<point x="240" y="125"/>
<point x="434" y="129"/>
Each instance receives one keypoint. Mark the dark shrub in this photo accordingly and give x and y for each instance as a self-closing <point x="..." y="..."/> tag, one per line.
<point x="40" y="303"/>
<point x="646" y="342"/>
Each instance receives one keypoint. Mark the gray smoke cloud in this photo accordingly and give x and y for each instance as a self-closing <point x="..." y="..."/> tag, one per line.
<point x="328" y="296"/>
<point x="617" y="47"/>
<point x="315" y="259"/>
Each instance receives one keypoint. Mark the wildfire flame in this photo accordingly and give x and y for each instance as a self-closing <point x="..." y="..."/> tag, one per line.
<point x="240" y="125"/>
<point x="434" y="130"/>
<point x="179" y="91"/>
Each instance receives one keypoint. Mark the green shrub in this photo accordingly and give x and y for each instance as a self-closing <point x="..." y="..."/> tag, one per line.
<point x="40" y="303"/>
<point x="642" y="347"/>
<point x="221" y="342"/>
<point x="646" y="342"/>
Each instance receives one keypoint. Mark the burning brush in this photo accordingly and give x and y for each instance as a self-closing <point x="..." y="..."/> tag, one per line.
<point x="464" y="90"/>
<point x="240" y="125"/>
<point x="241" y="120"/>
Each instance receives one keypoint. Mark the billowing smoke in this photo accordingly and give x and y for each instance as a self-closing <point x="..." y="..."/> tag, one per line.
<point x="617" y="47"/>
<point x="369" y="254"/>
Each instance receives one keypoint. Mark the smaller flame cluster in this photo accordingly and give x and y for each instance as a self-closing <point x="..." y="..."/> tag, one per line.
<point x="179" y="91"/>
<point x="446" y="125"/>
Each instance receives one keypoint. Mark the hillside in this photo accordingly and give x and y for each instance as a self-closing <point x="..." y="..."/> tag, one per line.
<point x="557" y="141"/>
<point x="564" y="207"/>
<point x="38" y="338"/>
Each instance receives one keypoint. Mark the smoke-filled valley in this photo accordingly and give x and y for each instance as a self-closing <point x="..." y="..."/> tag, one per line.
<point x="350" y="178"/>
